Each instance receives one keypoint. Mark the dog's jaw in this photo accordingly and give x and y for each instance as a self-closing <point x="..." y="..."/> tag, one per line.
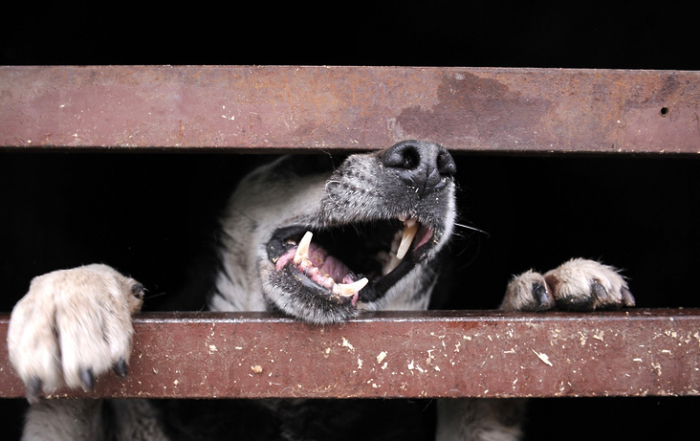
<point x="401" y="231"/>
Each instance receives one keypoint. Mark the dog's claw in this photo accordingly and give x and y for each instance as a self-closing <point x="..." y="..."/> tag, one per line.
<point x="542" y="296"/>
<point x="627" y="297"/>
<point x="120" y="368"/>
<point x="87" y="379"/>
<point x="33" y="389"/>
<point x="598" y="292"/>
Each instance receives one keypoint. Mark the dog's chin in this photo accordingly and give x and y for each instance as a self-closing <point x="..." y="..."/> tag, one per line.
<point x="293" y="294"/>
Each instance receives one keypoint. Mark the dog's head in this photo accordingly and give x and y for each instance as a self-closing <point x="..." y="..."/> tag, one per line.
<point x="321" y="240"/>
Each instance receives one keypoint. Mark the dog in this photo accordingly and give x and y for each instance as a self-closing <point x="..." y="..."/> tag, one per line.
<point x="316" y="238"/>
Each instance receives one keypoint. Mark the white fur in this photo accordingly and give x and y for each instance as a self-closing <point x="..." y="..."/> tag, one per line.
<point x="71" y="320"/>
<point x="480" y="419"/>
<point x="573" y="281"/>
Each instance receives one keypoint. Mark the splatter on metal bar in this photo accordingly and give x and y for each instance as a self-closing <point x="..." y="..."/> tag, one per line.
<point x="428" y="354"/>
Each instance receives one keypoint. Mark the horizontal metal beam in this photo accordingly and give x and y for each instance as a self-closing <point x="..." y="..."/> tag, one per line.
<point x="429" y="354"/>
<point x="339" y="108"/>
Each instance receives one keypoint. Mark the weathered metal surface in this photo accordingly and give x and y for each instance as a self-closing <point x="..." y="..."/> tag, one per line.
<point x="297" y="108"/>
<point x="431" y="354"/>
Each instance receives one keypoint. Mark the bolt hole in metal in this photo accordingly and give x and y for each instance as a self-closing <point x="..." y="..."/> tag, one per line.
<point x="664" y="111"/>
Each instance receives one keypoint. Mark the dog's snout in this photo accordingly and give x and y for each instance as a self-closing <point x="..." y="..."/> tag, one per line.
<point x="420" y="164"/>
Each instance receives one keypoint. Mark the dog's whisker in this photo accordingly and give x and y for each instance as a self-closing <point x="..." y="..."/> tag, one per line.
<point x="153" y="296"/>
<point x="469" y="227"/>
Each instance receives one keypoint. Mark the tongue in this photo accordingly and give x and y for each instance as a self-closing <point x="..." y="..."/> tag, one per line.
<point x="322" y="268"/>
<point x="335" y="268"/>
<point x="319" y="258"/>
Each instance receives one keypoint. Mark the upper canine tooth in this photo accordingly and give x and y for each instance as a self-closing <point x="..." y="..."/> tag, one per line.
<point x="408" y="234"/>
<point x="303" y="248"/>
<point x="391" y="265"/>
<point x="349" y="289"/>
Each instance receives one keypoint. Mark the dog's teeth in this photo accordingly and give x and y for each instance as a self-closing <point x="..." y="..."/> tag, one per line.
<point x="408" y="234"/>
<point x="349" y="289"/>
<point x="303" y="248"/>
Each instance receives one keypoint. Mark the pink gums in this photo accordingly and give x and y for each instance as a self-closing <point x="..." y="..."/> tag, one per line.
<point x="324" y="269"/>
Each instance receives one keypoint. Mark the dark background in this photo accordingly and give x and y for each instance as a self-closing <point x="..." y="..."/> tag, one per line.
<point x="591" y="34"/>
<point x="638" y="212"/>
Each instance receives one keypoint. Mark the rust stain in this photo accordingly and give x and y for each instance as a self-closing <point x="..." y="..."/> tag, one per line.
<point x="427" y="354"/>
<point x="299" y="108"/>
<point x="473" y="107"/>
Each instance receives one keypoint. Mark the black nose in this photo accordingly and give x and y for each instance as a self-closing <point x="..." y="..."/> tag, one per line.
<point x="420" y="164"/>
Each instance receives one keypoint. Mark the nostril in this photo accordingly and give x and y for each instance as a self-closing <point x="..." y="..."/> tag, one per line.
<point x="406" y="156"/>
<point x="446" y="164"/>
<point x="411" y="158"/>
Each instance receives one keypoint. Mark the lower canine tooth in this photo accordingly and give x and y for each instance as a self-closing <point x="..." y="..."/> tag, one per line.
<point x="408" y="234"/>
<point x="303" y="248"/>
<point x="349" y="289"/>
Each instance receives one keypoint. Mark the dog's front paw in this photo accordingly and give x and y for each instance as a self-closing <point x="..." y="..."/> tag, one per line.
<point x="577" y="285"/>
<point x="71" y="326"/>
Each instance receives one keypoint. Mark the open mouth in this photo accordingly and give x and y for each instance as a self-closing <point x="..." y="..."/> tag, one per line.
<point x="351" y="263"/>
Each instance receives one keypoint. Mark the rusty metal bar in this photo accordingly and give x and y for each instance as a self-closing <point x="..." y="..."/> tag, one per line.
<point x="298" y="108"/>
<point x="429" y="354"/>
